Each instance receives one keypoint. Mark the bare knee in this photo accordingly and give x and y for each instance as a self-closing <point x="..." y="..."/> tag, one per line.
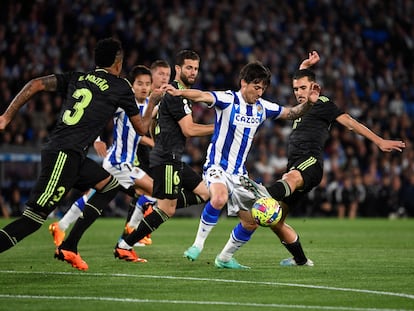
<point x="294" y="179"/>
<point x="218" y="200"/>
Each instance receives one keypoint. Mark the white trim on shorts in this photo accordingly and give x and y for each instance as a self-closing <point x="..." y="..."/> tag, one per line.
<point x="124" y="172"/>
<point x="239" y="197"/>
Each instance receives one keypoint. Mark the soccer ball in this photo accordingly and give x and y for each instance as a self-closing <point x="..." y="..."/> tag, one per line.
<point x="266" y="211"/>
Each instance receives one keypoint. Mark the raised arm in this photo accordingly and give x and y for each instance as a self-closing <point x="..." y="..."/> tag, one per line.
<point x="45" y="83"/>
<point x="310" y="61"/>
<point x="384" y="144"/>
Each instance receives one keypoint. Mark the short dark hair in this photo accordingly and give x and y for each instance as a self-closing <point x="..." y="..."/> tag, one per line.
<point x="106" y="51"/>
<point x="138" y="71"/>
<point x="255" y="72"/>
<point x="301" y="73"/>
<point x="185" y="54"/>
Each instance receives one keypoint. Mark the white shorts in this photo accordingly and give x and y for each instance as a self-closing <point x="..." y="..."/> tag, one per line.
<point x="124" y="172"/>
<point x="239" y="197"/>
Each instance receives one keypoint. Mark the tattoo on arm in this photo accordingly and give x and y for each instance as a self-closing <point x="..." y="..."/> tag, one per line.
<point x="298" y="111"/>
<point x="49" y="83"/>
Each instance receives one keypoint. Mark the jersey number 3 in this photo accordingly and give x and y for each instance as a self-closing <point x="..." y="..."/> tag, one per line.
<point x="73" y="117"/>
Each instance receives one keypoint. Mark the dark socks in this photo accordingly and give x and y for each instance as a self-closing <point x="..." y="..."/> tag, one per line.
<point x="90" y="214"/>
<point x="296" y="250"/>
<point x="17" y="230"/>
<point x="187" y="198"/>
<point x="93" y="209"/>
<point x="147" y="225"/>
<point x="279" y="190"/>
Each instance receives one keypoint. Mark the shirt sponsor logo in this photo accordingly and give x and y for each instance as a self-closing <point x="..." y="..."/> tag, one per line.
<point x="246" y="121"/>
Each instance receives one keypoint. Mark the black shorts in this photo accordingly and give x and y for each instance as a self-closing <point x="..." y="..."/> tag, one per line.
<point x="311" y="170"/>
<point x="171" y="177"/>
<point x="61" y="171"/>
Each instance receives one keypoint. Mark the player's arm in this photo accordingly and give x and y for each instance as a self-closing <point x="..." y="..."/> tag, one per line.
<point x="310" y="61"/>
<point x="190" y="129"/>
<point x="148" y="141"/>
<point x="45" y="83"/>
<point x="100" y="147"/>
<point x="384" y="144"/>
<point x="141" y="123"/>
<point x="292" y="113"/>
<point x="192" y="94"/>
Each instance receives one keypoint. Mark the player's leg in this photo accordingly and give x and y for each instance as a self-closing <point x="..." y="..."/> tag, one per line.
<point x="143" y="184"/>
<point x="311" y="175"/>
<point x="239" y="236"/>
<point x="216" y="181"/>
<point x="57" y="229"/>
<point x="290" y="239"/>
<point x="293" y="179"/>
<point x="92" y="175"/>
<point x="167" y="182"/>
<point x="56" y="178"/>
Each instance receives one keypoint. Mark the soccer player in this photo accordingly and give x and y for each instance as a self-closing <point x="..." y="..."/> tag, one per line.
<point x="305" y="157"/>
<point x="238" y="116"/>
<point x="91" y="100"/>
<point x="170" y="174"/>
<point x="120" y="160"/>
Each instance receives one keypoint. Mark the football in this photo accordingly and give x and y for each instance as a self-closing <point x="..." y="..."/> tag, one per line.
<point x="266" y="211"/>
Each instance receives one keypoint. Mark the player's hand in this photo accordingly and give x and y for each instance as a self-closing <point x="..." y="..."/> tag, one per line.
<point x="390" y="145"/>
<point x="310" y="61"/>
<point x="314" y="92"/>
<point x="156" y="95"/>
<point x="168" y="88"/>
<point x="100" y="148"/>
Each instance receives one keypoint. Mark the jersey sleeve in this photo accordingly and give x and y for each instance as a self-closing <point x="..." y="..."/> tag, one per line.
<point x="64" y="79"/>
<point x="331" y="111"/>
<point x="222" y="99"/>
<point x="127" y="101"/>
<point x="178" y="106"/>
<point x="272" y="110"/>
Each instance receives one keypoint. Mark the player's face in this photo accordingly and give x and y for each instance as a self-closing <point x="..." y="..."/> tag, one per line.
<point x="301" y="88"/>
<point x="142" y="87"/>
<point x="188" y="72"/>
<point x="251" y="92"/>
<point x="160" y="76"/>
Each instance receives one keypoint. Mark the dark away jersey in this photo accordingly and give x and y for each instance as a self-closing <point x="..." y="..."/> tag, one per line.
<point x="169" y="139"/>
<point x="311" y="131"/>
<point x="90" y="101"/>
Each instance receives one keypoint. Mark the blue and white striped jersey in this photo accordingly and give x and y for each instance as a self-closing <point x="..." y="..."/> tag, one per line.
<point x="125" y="139"/>
<point x="235" y="126"/>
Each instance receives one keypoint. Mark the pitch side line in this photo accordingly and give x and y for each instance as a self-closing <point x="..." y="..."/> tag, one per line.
<point x="190" y="302"/>
<point x="366" y="291"/>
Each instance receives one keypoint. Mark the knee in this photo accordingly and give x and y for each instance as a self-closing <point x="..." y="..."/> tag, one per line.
<point x="294" y="179"/>
<point x="218" y="201"/>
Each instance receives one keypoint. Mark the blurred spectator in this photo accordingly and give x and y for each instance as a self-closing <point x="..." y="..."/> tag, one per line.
<point x="3" y="208"/>
<point x="15" y="204"/>
<point x="407" y="196"/>
<point x="347" y="198"/>
<point x="320" y="202"/>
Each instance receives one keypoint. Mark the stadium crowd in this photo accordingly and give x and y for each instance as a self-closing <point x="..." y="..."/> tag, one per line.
<point x="366" y="67"/>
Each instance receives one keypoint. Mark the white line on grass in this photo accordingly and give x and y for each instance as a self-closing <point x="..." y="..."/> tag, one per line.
<point x="189" y="302"/>
<point x="355" y="290"/>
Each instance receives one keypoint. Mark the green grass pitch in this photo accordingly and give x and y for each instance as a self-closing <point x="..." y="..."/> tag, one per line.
<point x="360" y="265"/>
